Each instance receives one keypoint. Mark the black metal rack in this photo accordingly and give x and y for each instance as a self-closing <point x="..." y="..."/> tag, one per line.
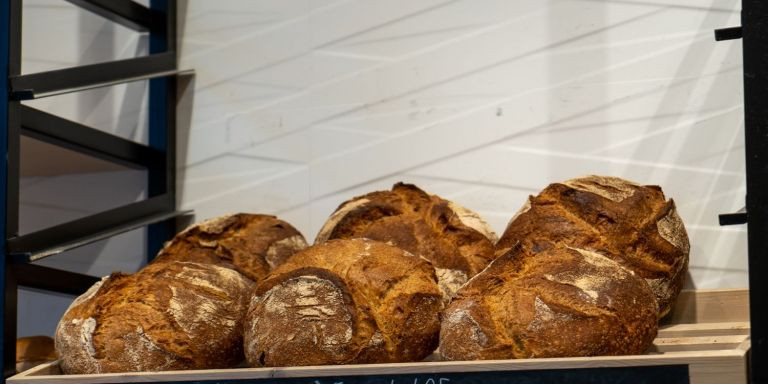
<point x="157" y="212"/>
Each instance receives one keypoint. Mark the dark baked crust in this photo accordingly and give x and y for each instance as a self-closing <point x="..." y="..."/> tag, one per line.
<point x="344" y="302"/>
<point x="629" y="223"/>
<point x="560" y="302"/>
<point x="456" y="240"/>
<point x="250" y="243"/>
<point x="168" y="316"/>
<point x="34" y="350"/>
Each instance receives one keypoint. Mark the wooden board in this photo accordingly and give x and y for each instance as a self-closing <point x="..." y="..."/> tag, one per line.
<point x="713" y="345"/>
<point x="710" y="306"/>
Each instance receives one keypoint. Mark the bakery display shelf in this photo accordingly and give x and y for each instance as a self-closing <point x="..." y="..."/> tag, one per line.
<point x="158" y="212"/>
<point x="52" y="279"/>
<point x="127" y="13"/>
<point x="705" y="340"/>
<point x="76" y="79"/>
<point x="64" y="133"/>
<point x="100" y="226"/>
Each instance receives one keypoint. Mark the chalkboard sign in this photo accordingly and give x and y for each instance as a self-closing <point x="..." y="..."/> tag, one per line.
<point x="666" y="374"/>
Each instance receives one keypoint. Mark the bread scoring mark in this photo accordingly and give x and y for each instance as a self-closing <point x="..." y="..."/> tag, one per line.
<point x="75" y="346"/>
<point x="307" y="304"/>
<point x="525" y="208"/>
<point x="138" y="347"/>
<point x="463" y="318"/>
<point x="201" y="277"/>
<point x="542" y="315"/>
<point x="87" y="327"/>
<point x="216" y="225"/>
<point x="587" y="283"/>
<point x="611" y="188"/>
<point x="671" y="228"/>
<point x="303" y="291"/>
<point x="337" y="216"/>
<point x="377" y="339"/>
<point x="474" y="221"/>
<point x="293" y="244"/>
<point x="449" y="281"/>
<point x="191" y="317"/>
<point x="213" y="226"/>
<point x="596" y="259"/>
<point x="660" y="287"/>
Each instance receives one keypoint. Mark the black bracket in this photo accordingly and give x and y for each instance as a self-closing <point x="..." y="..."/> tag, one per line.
<point x="731" y="33"/>
<point x="739" y="217"/>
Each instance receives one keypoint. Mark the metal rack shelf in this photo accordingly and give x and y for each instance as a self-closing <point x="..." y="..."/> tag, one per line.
<point x="157" y="212"/>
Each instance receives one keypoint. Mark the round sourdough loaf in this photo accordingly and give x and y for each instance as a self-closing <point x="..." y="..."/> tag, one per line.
<point x="455" y="240"/>
<point x="629" y="223"/>
<point x="168" y="316"/>
<point x="344" y="302"/>
<point x="252" y="244"/>
<point x="561" y="302"/>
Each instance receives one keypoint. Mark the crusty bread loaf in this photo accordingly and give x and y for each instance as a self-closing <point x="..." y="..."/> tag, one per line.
<point x="344" y="302"/>
<point x="168" y="316"/>
<point x="457" y="241"/>
<point x="32" y="351"/>
<point x="560" y="302"/>
<point x="629" y="223"/>
<point x="253" y="244"/>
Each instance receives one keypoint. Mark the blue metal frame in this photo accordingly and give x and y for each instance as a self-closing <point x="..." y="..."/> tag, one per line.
<point x="162" y="122"/>
<point x="5" y="22"/>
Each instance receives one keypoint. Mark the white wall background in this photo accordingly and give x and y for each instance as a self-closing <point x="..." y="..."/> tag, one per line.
<point x="299" y="105"/>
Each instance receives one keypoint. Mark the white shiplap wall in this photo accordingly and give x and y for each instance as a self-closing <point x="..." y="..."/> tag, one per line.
<point x="302" y="104"/>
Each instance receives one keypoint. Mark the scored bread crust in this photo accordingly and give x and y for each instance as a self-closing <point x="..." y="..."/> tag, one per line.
<point x="457" y="241"/>
<point x="252" y="244"/>
<point x="558" y="303"/>
<point x="169" y="316"/>
<point x="344" y="302"/>
<point x="627" y="222"/>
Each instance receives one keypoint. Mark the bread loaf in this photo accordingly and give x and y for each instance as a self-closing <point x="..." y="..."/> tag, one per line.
<point x="252" y="244"/>
<point x="457" y="241"/>
<point x="168" y="316"/>
<point x="560" y="302"/>
<point x="344" y="302"/>
<point x="34" y="350"/>
<point x="629" y="223"/>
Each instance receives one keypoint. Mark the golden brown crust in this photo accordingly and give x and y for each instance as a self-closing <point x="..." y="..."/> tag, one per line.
<point x="34" y="350"/>
<point x="252" y="244"/>
<point x="560" y="302"/>
<point x="168" y="316"/>
<point x="448" y="235"/>
<point x="629" y="223"/>
<point x="344" y="302"/>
